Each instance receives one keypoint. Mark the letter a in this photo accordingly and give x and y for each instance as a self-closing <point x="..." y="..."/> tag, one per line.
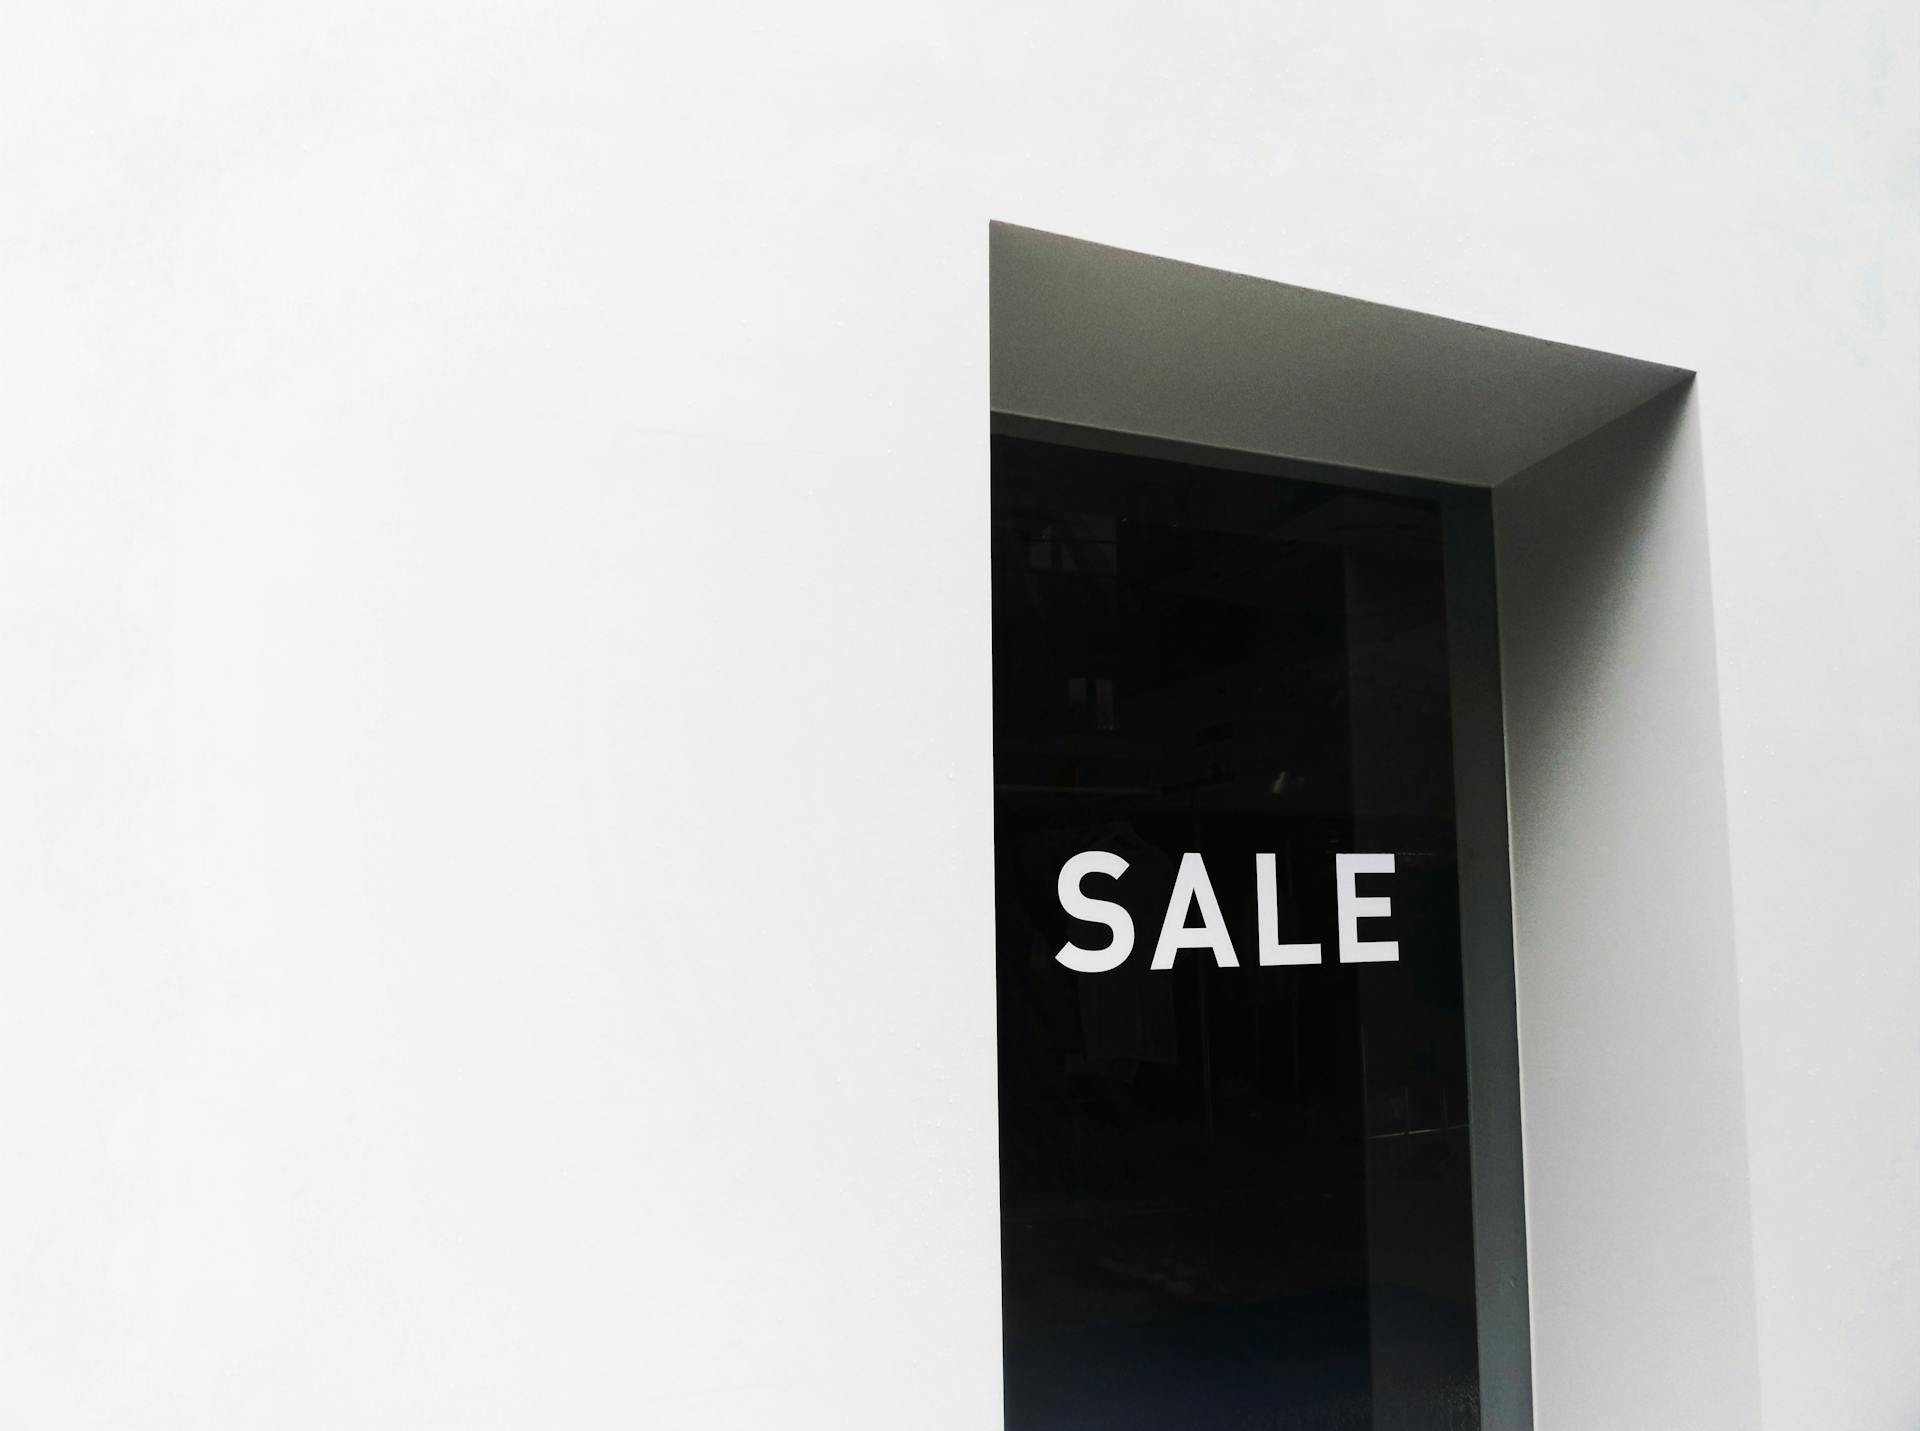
<point x="1189" y="885"/>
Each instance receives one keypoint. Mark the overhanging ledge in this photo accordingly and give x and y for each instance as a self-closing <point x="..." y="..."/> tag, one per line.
<point x="1107" y="339"/>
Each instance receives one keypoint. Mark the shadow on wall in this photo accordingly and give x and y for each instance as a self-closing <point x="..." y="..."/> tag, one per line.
<point x="1627" y="984"/>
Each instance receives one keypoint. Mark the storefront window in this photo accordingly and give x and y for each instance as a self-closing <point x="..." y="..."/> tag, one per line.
<point x="1233" y="1095"/>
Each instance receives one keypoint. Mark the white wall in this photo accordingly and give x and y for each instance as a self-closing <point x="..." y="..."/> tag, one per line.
<point x="494" y="630"/>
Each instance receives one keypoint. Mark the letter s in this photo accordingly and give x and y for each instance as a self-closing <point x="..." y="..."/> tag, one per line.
<point x="1094" y="911"/>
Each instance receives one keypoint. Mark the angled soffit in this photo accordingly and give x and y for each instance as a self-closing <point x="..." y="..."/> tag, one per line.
<point x="1103" y="338"/>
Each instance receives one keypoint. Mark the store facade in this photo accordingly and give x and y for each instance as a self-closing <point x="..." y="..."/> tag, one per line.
<point x="568" y="606"/>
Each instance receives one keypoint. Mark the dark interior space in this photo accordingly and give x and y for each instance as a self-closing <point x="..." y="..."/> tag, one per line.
<point x="1232" y="1197"/>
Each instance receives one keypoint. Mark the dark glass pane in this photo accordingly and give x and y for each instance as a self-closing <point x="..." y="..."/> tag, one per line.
<point x="1232" y="1197"/>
